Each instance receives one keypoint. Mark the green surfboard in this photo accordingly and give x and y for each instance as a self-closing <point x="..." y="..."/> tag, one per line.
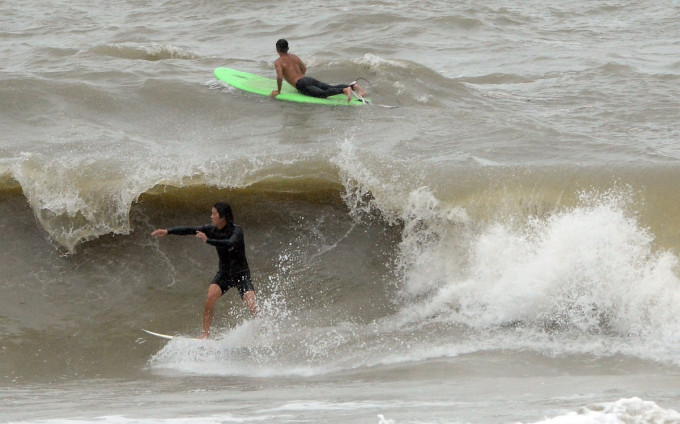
<point x="264" y="86"/>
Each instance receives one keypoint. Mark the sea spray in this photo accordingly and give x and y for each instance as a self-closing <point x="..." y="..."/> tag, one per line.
<point x="589" y="273"/>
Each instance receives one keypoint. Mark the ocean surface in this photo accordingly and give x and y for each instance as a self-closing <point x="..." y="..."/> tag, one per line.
<point x="501" y="247"/>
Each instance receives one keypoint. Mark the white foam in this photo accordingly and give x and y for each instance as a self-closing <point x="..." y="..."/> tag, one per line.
<point x="623" y="411"/>
<point x="585" y="279"/>
<point x="590" y="272"/>
<point x="375" y="62"/>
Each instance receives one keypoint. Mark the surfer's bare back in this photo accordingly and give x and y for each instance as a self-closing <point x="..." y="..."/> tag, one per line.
<point x="291" y="68"/>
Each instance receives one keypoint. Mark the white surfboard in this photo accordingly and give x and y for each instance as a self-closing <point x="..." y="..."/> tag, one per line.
<point x="162" y="336"/>
<point x="167" y="336"/>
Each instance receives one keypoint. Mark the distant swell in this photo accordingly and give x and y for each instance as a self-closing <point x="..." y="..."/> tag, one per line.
<point x="150" y="52"/>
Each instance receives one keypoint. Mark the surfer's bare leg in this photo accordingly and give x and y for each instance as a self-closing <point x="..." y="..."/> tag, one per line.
<point x="214" y="293"/>
<point x="348" y="91"/>
<point x="249" y="298"/>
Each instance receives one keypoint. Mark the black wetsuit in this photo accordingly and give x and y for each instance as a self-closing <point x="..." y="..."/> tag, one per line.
<point x="231" y="249"/>
<point x="315" y="88"/>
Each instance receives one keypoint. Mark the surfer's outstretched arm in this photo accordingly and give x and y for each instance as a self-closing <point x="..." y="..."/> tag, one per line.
<point x="159" y="233"/>
<point x="178" y="231"/>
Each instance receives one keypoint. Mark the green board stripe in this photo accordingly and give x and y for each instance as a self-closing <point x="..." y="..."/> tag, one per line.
<point x="264" y="86"/>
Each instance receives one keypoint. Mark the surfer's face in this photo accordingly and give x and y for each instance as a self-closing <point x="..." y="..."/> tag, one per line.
<point x="216" y="219"/>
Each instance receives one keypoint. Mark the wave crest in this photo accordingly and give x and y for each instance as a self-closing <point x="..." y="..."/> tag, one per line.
<point x="150" y="52"/>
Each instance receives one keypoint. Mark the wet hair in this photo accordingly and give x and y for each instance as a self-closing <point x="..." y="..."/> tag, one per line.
<point x="224" y="210"/>
<point x="282" y="46"/>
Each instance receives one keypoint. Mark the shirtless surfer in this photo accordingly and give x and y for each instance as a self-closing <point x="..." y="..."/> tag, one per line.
<point x="233" y="271"/>
<point x="292" y="69"/>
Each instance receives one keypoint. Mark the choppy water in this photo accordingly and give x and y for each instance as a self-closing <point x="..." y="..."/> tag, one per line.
<point x="500" y="248"/>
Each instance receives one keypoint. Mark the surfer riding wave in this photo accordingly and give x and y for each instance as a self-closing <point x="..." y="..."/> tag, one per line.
<point x="233" y="266"/>
<point x="291" y="68"/>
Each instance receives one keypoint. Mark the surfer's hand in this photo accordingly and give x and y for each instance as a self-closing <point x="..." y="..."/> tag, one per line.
<point x="160" y="233"/>
<point x="275" y="93"/>
<point x="201" y="235"/>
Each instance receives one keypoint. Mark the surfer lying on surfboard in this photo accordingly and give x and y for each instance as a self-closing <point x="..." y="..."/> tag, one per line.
<point x="291" y="68"/>
<point x="234" y="271"/>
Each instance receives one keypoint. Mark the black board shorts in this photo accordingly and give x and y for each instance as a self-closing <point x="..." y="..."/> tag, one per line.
<point x="241" y="281"/>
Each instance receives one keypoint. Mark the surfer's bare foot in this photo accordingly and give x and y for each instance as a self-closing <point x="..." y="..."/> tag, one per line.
<point x="356" y="87"/>
<point x="204" y="336"/>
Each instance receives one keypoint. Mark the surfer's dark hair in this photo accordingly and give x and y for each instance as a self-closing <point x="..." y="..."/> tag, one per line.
<point x="224" y="210"/>
<point x="282" y="45"/>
